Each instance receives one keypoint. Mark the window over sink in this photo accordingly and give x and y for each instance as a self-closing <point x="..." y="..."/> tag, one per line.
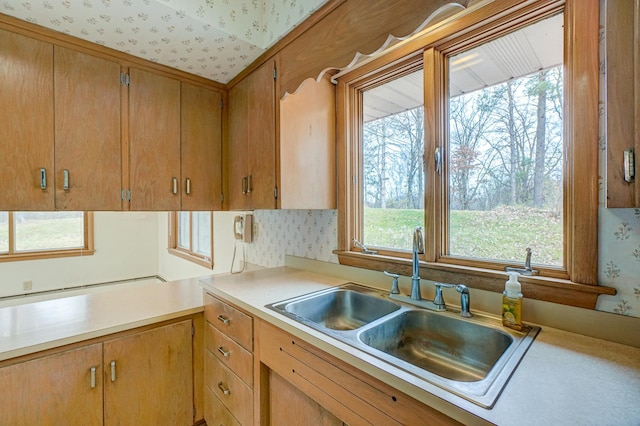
<point x="485" y="134"/>
<point x="191" y="236"/>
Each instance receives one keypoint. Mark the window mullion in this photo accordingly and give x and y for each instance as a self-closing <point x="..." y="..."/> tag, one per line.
<point x="12" y="234"/>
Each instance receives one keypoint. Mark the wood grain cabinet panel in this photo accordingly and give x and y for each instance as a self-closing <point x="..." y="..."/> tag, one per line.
<point x="308" y="147"/>
<point x="251" y="149"/>
<point x="201" y="148"/>
<point x="26" y="133"/>
<point x="53" y="390"/>
<point x="151" y="379"/>
<point x="154" y="141"/>
<point x="623" y="99"/>
<point x="87" y="132"/>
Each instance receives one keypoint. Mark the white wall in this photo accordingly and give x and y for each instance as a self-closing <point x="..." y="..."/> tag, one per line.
<point x="125" y="243"/>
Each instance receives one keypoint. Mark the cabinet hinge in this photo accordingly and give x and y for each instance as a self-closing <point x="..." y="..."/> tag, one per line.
<point x="193" y="330"/>
<point x="275" y="73"/>
<point x="222" y="198"/>
<point x="275" y="193"/>
<point x="125" y="195"/>
<point x="125" y="80"/>
<point x="221" y="104"/>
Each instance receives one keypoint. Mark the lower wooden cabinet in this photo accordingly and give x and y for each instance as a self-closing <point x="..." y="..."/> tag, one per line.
<point x="140" y="378"/>
<point x="148" y="377"/>
<point x="326" y="390"/>
<point x="228" y="364"/>
<point x="63" y="388"/>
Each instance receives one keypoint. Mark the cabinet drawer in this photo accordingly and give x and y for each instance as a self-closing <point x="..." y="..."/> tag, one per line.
<point x="230" y="353"/>
<point x="215" y="412"/>
<point x="236" y="396"/>
<point x="230" y="321"/>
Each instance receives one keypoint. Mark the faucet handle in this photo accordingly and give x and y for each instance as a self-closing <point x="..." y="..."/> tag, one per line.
<point x="464" y="300"/>
<point x="438" y="300"/>
<point x="394" y="282"/>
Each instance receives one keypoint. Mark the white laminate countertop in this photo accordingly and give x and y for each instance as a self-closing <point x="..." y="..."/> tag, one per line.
<point x="564" y="379"/>
<point x="33" y="327"/>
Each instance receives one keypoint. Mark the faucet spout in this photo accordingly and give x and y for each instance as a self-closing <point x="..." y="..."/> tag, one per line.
<point x="418" y="248"/>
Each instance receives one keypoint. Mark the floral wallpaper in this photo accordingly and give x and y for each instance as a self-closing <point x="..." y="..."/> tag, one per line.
<point x="313" y="234"/>
<point x="215" y="39"/>
<point x="305" y="233"/>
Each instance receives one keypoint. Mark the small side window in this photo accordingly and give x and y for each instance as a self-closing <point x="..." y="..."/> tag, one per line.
<point x="191" y="236"/>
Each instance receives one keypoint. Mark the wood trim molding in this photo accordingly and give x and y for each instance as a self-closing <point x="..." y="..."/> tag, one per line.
<point x="534" y="287"/>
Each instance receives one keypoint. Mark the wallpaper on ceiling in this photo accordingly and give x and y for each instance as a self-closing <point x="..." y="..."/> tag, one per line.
<point x="215" y="39"/>
<point x="313" y="234"/>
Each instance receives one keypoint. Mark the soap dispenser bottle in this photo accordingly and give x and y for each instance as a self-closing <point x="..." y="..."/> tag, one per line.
<point x="512" y="303"/>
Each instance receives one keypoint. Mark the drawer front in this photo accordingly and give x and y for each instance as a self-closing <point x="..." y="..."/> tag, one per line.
<point x="234" y="394"/>
<point x="230" y="321"/>
<point x="215" y="413"/>
<point x="230" y="353"/>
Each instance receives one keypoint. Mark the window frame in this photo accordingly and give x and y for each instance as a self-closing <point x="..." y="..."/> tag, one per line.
<point x="577" y="285"/>
<point x="188" y="254"/>
<point x="87" y="250"/>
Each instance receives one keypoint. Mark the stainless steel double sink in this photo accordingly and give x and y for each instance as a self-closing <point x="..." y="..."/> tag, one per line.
<point x="472" y="358"/>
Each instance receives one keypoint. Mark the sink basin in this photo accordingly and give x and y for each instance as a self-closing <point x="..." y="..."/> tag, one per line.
<point x="340" y="308"/>
<point x="472" y="358"/>
<point x="453" y="349"/>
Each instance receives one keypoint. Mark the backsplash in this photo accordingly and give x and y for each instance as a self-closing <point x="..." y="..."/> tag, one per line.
<point x="313" y="234"/>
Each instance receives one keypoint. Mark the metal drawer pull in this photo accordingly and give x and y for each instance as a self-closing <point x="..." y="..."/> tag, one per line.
<point x="224" y="390"/>
<point x="244" y="185"/>
<point x="93" y="377"/>
<point x="250" y="184"/>
<point x="223" y="319"/>
<point x="43" y="178"/>
<point x="174" y="181"/>
<point x="188" y="186"/>
<point x="65" y="183"/>
<point x="113" y="371"/>
<point x="223" y="352"/>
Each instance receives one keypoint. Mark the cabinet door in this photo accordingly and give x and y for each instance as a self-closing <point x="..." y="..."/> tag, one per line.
<point x="87" y="132"/>
<point x="53" y="390"/>
<point x="308" y="147"/>
<point x="26" y="133"/>
<point x="237" y="147"/>
<point x="154" y="141"/>
<point x="149" y="377"/>
<point x="201" y="148"/>
<point x="262" y="137"/>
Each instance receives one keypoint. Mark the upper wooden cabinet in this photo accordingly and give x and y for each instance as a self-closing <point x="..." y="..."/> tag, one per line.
<point x="154" y="141"/>
<point x="26" y="114"/>
<point x="87" y="132"/>
<point x="308" y="147"/>
<point x="298" y="165"/>
<point x="201" y="148"/>
<point x="623" y="100"/>
<point x="251" y="147"/>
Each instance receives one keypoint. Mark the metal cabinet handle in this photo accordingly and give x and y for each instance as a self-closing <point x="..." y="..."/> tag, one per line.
<point x="188" y="186"/>
<point x="93" y="377"/>
<point x="174" y="182"/>
<point x="249" y="184"/>
<point x="43" y="178"/>
<point x="224" y="390"/>
<point x="244" y="185"/>
<point x="65" y="179"/>
<point x="223" y="352"/>
<point x="223" y="319"/>
<point x="113" y="371"/>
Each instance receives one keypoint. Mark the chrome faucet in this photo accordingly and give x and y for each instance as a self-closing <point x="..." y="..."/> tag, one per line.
<point x="464" y="300"/>
<point x="418" y="248"/>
